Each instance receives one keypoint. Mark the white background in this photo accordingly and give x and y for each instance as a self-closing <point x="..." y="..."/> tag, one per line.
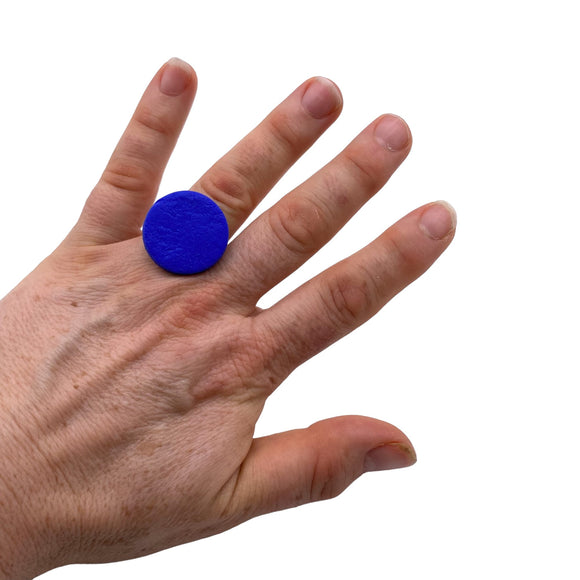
<point x="477" y="361"/>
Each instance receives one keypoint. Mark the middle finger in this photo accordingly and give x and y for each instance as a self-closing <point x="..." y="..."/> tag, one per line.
<point x="240" y="179"/>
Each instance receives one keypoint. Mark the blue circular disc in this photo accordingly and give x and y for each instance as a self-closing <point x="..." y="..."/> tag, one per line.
<point x="185" y="232"/>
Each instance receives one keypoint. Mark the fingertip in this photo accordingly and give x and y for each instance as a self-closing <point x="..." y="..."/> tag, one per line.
<point x="438" y="220"/>
<point x="176" y="77"/>
<point x="321" y="98"/>
<point x="393" y="133"/>
<point x="394" y="455"/>
<point x="375" y="443"/>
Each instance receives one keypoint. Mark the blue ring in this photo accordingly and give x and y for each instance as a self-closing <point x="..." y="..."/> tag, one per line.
<point x="185" y="232"/>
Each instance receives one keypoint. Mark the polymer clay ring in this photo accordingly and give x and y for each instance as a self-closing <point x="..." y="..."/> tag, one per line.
<point x="185" y="232"/>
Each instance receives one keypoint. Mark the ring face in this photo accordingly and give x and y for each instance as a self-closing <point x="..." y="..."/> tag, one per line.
<point x="185" y="232"/>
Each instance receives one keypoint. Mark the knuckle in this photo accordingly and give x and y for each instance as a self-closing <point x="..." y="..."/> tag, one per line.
<point x="363" y="169"/>
<point x="404" y="261"/>
<point x="299" y="224"/>
<point x="284" y="133"/>
<point x="348" y="298"/>
<point x="229" y="187"/>
<point x="251" y="361"/>
<point x="129" y="175"/>
<point x="187" y="309"/>
<point x="328" y="478"/>
<point x="153" y="122"/>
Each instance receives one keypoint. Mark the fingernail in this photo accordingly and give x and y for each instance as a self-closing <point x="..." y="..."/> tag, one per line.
<point x="389" y="456"/>
<point x="392" y="133"/>
<point x="438" y="220"/>
<point x="176" y="77"/>
<point x="321" y="98"/>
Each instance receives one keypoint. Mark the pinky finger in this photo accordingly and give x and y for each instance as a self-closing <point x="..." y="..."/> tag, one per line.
<point x="348" y="294"/>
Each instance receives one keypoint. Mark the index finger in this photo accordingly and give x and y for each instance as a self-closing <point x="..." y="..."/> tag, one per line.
<point x="116" y="208"/>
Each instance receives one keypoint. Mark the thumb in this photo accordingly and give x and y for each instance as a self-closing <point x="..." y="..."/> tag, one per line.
<point x="297" y="467"/>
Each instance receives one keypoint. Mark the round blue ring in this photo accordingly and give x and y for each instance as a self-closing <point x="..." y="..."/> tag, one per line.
<point x="185" y="232"/>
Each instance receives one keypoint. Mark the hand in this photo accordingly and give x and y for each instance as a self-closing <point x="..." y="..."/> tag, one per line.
<point x="128" y="396"/>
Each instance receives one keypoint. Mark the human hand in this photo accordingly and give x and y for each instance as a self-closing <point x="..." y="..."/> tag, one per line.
<point x="129" y="396"/>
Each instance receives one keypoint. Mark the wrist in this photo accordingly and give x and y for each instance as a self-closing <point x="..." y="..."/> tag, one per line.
<point x="24" y="552"/>
<point x="19" y="543"/>
<point x="16" y="550"/>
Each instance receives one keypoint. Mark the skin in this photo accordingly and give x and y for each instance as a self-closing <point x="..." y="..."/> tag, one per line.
<point x="129" y="396"/>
